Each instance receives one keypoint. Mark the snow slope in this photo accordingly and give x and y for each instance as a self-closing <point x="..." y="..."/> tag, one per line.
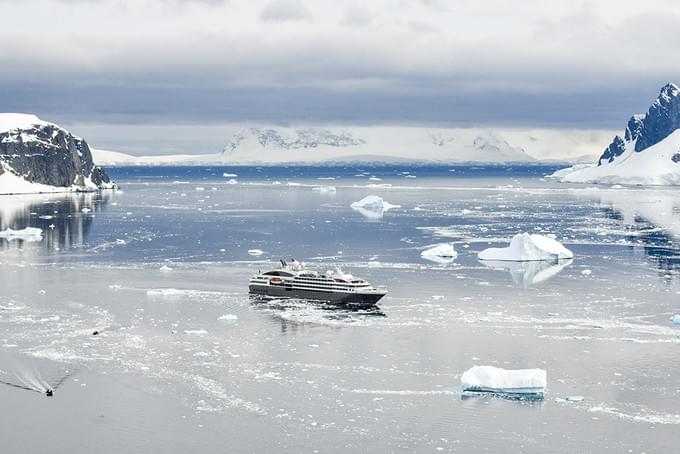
<point x="656" y="165"/>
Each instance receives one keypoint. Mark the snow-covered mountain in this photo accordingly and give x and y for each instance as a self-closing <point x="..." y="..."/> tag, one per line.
<point x="315" y="145"/>
<point x="647" y="154"/>
<point x="37" y="156"/>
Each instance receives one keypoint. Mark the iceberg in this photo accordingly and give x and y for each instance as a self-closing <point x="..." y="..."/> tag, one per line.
<point x="675" y="319"/>
<point x="255" y="252"/>
<point x="372" y="207"/>
<point x="27" y="234"/>
<point x="490" y="379"/>
<point x="525" y="247"/>
<point x="443" y="253"/>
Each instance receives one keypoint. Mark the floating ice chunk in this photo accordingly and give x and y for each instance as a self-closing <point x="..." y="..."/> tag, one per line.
<point x="200" y="188"/>
<point x="228" y="317"/>
<point x="229" y="175"/>
<point x="375" y="179"/>
<point x="324" y="189"/>
<point x="442" y="253"/>
<point x="165" y="268"/>
<point x="30" y="234"/>
<point x="675" y="319"/>
<point x="586" y="272"/>
<point x="502" y="381"/>
<point x="120" y="241"/>
<point x="575" y="398"/>
<point x="255" y="252"/>
<point x="195" y="332"/>
<point x="372" y="206"/>
<point x="526" y="247"/>
<point x="85" y="210"/>
<point x="232" y="181"/>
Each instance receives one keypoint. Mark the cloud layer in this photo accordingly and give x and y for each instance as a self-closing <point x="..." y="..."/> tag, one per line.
<point x="564" y="62"/>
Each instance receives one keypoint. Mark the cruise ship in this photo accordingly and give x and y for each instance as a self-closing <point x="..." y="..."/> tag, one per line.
<point x="293" y="280"/>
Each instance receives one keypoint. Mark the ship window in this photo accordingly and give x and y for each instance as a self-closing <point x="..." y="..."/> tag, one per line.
<point x="277" y="273"/>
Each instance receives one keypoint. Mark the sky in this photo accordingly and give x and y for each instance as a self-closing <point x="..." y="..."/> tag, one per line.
<point x="489" y="63"/>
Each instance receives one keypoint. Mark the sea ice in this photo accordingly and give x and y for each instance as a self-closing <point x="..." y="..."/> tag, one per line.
<point x="27" y="234"/>
<point x="496" y="380"/>
<point x="442" y="253"/>
<point x="255" y="252"/>
<point x="324" y="189"/>
<point x="525" y="247"/>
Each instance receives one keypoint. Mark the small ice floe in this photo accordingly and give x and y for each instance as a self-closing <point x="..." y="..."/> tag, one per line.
<point x="675" y="319"/>
<point x="200" y="188"/>
<point x="165" y="269"/>
<point x="29" y="234"/>
<point x="586" y="272"/>
<point x="443" y="253"/>
<point x="375" y="178"/>
<point x="228" y="318"/>
<point x="195" y="332"/>
<point x="229" y="175"/>
<point x="255" y="252"/>
<point x="512" y="383"/>
<point x="526" y="247"/>
<point x="324" y="189"/>
<point x="232" y="181"/>
<point x="85" y="210"/>
<point x="574" y="398"/>
<point x="372" y="206"/>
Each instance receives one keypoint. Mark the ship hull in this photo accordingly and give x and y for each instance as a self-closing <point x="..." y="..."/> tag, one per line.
<point x="348" y="298"/>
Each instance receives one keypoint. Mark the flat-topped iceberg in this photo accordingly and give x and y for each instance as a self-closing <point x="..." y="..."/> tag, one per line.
<point x="373" y="206"/>
<point x="526" y="247"/>
<point x="27" y="234"/>
<point x="441" y="253"/>
<point x="490" y="379"/>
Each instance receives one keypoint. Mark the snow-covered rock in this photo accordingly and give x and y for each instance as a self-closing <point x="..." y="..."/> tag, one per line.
<point x="40" y="157"/>
<point x="497" y="380"/>
<point x="443" y="253"/>
<point x="647" y="154"/>
<point x="525" y="247"/>
<point x="372" y="206"/>
<point x="27" y="234"/>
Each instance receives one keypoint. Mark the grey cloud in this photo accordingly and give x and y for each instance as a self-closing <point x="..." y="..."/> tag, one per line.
<point x="284" y="10"/>
<point x="357" y="17"/>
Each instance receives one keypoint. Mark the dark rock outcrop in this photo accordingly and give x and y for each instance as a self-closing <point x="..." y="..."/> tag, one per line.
<point x="643" y="131"/>
<point x="47" y="154"/>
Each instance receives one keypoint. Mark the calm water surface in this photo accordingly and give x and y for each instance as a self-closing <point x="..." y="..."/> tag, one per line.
<point x="184" y="360"/>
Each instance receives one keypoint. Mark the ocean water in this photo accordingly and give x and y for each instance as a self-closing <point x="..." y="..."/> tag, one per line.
<point x="184" y="360"/>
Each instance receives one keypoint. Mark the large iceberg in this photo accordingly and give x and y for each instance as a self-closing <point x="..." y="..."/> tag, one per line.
<point x="372" y="206"/>
<point x="443" y="253"/>
<point x="526" y="247"/>
<point x="496" y="380"/>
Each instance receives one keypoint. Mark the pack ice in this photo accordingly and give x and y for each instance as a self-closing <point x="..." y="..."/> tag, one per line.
<point x="496" y="380"/>
<point x="526" y="247"/>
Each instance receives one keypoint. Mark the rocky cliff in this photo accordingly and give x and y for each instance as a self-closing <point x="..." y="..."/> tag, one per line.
<point x="41" y="155"/>
<point x="643" y="131"/>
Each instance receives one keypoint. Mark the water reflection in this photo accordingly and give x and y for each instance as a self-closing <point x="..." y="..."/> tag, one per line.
<point x="652" y="219"/>
<point x="65" y="219"/>
<point x="527" y="274"/>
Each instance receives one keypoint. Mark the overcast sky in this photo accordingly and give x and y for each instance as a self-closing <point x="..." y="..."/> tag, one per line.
<point x="551" y="63"/>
